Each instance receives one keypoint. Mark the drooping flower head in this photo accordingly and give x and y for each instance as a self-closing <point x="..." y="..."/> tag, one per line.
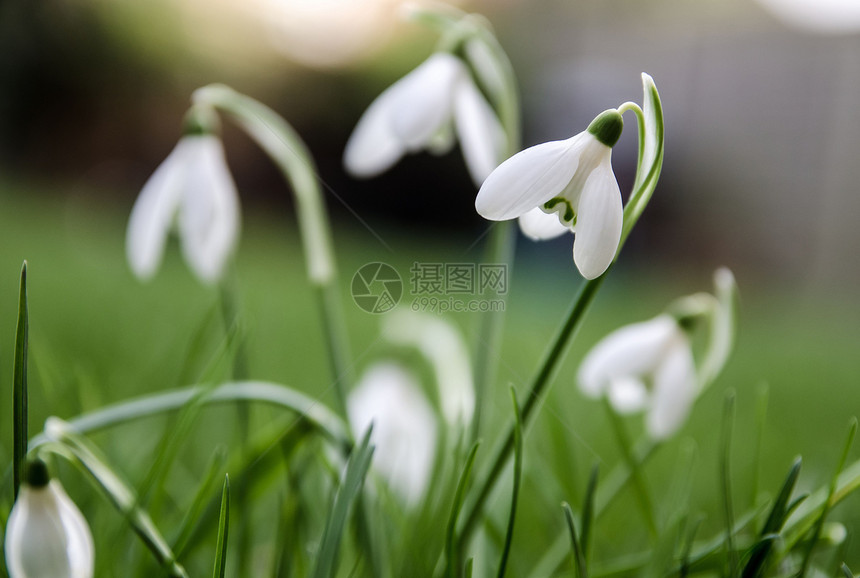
<point x="650" y="366"/>
<point x="571" y="179"/>
<point x="419" y="112"/>
<point x="404" y="427"/>
<point x="193" y="190"/>
<point x="46" y="535"/>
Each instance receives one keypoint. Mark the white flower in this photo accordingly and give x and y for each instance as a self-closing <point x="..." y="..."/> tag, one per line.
<point x="415" y="111"/>
<point x="46" y="535"/>
<point x="572" y="178"/>
<point x="194" y="184"/>
<point x="443" y="346"/>
<point x="404" y="427"/>
<point x="822" y="16"/>
<point x="645" y="366"/>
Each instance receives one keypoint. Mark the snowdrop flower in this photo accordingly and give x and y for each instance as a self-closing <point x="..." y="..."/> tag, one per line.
<point x="571" y="180"/>
<point x="821" y="16"/>
<point x="416" y="113"/>
<point x="193" y="186"/>
<point x="46" y="535"/>
<point x="404" y="427"/>
<point x="650" y="365"/>
<point x="443" y="346"/>
<point x="654" y="354"/>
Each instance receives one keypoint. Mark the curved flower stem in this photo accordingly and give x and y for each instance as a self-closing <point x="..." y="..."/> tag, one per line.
<point x="647" y="174"/>
<point x="546" y="371"/>
<point x="312" y="411"/>
<point x="284" y="146"/>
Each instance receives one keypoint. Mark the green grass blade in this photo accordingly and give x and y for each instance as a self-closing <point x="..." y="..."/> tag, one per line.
<point x="79" y="451"/>
<point x="642" y="494"/>
<point x="356" y="470"/>
<point x="816" y="532"/>
<point x="726" y="481"/>
<point x="847" y="571"/>
<point x="688" y="548"/>
<point x="19" y="385"/>
<point x="195" y="510"/>
<point x="578" y="555"/>
<point x="762" y="396"/>
<point x="778" y="514"/>
<point x="470" y="565"/>
<point x="588" y="509"/>
<point x="518" y="474"/>
<point x="462" y="484"/>
<point x="223" y="530"/>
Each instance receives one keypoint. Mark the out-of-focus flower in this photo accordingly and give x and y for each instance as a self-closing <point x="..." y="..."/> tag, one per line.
<point x="417" y="112"/>
<point x="404" y="427"/>
<point x="46" y="535"/>
<point x="443" y="346"/>
<point x="192" y="186"/>
<point x="572" y="179"/>
<point x="821" y="16"/>
<point x="650" y="365"/>
<point x="655" y="353"/>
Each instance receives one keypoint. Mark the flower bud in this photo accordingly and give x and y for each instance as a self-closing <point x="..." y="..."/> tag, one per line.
<point x="46" y="535"/>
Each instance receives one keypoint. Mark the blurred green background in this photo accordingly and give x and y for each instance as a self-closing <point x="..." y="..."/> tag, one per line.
<point x="760" y="175"/>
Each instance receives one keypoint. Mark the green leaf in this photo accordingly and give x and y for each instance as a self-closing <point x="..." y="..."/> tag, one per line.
<point x="223" y="530"/>
<point x="578" y="556"/>
<point x="19" y="385"/>
<point x="651" y="136"/>
<point x="450" y="542"/>
<point x="847" y="571"/>
<point x="588" y="508"/>
<point x="819" y="524"/>
<point x="515" y="492"/>
<point x="778" y="514"/>
<point x="726" y="480"/>
<point x="198" y="503"/>
<point x="78" y="450"/>
<point x="314" y="412"/>
<point x="356" y="470"/>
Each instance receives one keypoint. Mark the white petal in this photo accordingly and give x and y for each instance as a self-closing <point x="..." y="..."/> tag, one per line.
<point x="633" y="350"/>
<point x="482" y="137"/>
<point x="209" y="216"/>
<point x="675" y="390"/>
<point x="529" y="178"/>
<point x="46" y="535"/>
<point x="423" y="99"/>
<point x="373" y="148"/>
<point x="486" y="65"/>
<point x="540" y="226"/>
<point x="404" y="427"/>
<point x="722" y="331"/>
<point x="599" y="217"/>
<point x="627" y="395"/>
<point x="153" y="212"/>
<point x="443" y="346"/>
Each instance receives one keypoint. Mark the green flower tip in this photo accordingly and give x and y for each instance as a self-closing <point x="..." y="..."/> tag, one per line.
<point x="36" y="474"/>
<point x="607" y="127"/>
<point x="199" y="121"/>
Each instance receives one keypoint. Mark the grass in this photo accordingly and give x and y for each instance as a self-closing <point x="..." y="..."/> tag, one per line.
<point x="99" y="336"/>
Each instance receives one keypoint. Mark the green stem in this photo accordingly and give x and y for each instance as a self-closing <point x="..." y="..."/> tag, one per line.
<point x="644" y="498"/>
<point x="314" y="412"/>
<point x="499" y="250"/>
<point x="287" y="150"/>
<point x="545" y="372"/>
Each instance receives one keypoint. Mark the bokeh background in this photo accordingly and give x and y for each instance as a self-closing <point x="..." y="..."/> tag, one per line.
<point x="761" y="174"/>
